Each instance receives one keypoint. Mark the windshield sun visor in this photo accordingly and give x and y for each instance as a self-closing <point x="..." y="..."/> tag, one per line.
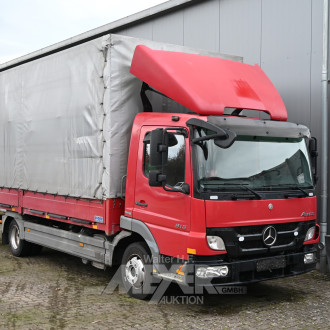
<point x="257" y="127"/>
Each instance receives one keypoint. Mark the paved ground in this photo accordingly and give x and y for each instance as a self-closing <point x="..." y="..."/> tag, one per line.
<point x="56" y="291"/>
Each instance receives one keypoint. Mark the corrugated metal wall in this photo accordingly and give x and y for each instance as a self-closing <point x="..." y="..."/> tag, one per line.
<point x="283" y="36"/>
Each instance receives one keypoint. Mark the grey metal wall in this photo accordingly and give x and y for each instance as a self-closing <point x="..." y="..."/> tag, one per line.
<point x="283" y="36"/>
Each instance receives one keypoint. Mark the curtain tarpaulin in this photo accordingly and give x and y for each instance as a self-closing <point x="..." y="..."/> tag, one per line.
<point x="66" y="118"/>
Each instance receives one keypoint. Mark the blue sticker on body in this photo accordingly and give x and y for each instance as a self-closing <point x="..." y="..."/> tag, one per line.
<point x="98" y="219"/>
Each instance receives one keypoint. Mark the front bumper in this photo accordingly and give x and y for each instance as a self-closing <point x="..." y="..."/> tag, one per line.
<point x="252" y="270"/>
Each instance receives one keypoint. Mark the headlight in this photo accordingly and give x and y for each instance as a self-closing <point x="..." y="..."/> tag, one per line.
<point x="209" y="272"/>
<point x="309" y="258"/>
<point x="310" y="233"/>
<point x="216" y="243"/>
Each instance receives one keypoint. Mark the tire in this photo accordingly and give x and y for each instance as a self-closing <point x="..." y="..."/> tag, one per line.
<point x="136" y="271"/>
<point x="18" y="246"/>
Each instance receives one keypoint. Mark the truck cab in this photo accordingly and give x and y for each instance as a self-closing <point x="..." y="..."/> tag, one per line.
<point x="229" y="199"/>
<point x="235" y="211"/>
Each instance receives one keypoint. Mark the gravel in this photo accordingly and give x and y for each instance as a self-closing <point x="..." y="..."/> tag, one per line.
<point x="56" y="291"/>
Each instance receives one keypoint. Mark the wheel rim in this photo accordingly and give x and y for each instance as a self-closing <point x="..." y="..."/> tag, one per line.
<point x="134" y="272"/>
<point x="14" y="237"/>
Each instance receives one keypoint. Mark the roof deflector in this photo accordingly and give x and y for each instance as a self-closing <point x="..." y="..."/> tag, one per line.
<point x="207" y="85"/>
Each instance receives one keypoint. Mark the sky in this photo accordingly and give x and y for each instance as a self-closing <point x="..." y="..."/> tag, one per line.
<point x="29" y="25"/>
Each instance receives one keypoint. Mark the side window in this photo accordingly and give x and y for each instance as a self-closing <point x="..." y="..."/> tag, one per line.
<point x="146" y="155"/>
<point x="175" y="168"/>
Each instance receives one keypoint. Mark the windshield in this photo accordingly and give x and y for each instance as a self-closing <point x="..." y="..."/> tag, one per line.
<point x="258" y="163"/>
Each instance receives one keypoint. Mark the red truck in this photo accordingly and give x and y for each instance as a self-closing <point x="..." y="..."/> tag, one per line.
<point x="188" y="185"/>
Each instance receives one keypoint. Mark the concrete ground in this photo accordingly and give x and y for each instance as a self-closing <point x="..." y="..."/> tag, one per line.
<point x="56" y="291"/>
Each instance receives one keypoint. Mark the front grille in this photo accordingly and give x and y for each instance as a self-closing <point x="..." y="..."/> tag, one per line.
<point x="248" y="241"/>
<point x="246" y="230"/>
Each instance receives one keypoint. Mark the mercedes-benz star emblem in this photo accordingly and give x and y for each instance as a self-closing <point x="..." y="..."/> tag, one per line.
<point x="269" y="235"/>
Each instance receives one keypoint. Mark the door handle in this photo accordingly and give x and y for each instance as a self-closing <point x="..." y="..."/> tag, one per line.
<point x="141" y="203"/>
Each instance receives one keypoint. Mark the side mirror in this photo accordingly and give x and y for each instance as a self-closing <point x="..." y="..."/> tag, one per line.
<point x="160" y="140"/>
<point x="313" y="155"/>
<point x="156" y="178"/>
<point x="158" y="147"/>
<point x="184" y="188"/>
<point x="223" y="138"/>
<point x="226" y="141"/>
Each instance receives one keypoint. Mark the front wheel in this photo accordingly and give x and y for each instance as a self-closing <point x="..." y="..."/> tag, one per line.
<point x="136" y="271"/>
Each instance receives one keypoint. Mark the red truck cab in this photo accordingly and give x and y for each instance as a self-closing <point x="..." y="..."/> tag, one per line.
<point x="229" y="198"/>
<point x="231" y="229"/>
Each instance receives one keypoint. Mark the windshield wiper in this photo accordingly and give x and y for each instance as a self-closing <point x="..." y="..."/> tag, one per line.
<point x="288" y="185"/>
<point x="249" y="189"/>
<point x="235" y="184"/>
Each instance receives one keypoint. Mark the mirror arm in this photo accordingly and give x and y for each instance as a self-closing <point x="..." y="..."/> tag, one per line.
<point x="209" y="137"/>
<point x="185" y="190"/>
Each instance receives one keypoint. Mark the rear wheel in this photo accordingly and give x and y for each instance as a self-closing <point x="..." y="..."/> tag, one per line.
<point x="18" y="246"/>
<point x="136" y="271"/>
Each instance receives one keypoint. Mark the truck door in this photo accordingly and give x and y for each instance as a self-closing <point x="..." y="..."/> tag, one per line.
<point x="166" y="213"/>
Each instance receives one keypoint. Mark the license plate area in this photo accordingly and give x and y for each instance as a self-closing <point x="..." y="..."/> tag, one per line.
<point x="269" y="264"/>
